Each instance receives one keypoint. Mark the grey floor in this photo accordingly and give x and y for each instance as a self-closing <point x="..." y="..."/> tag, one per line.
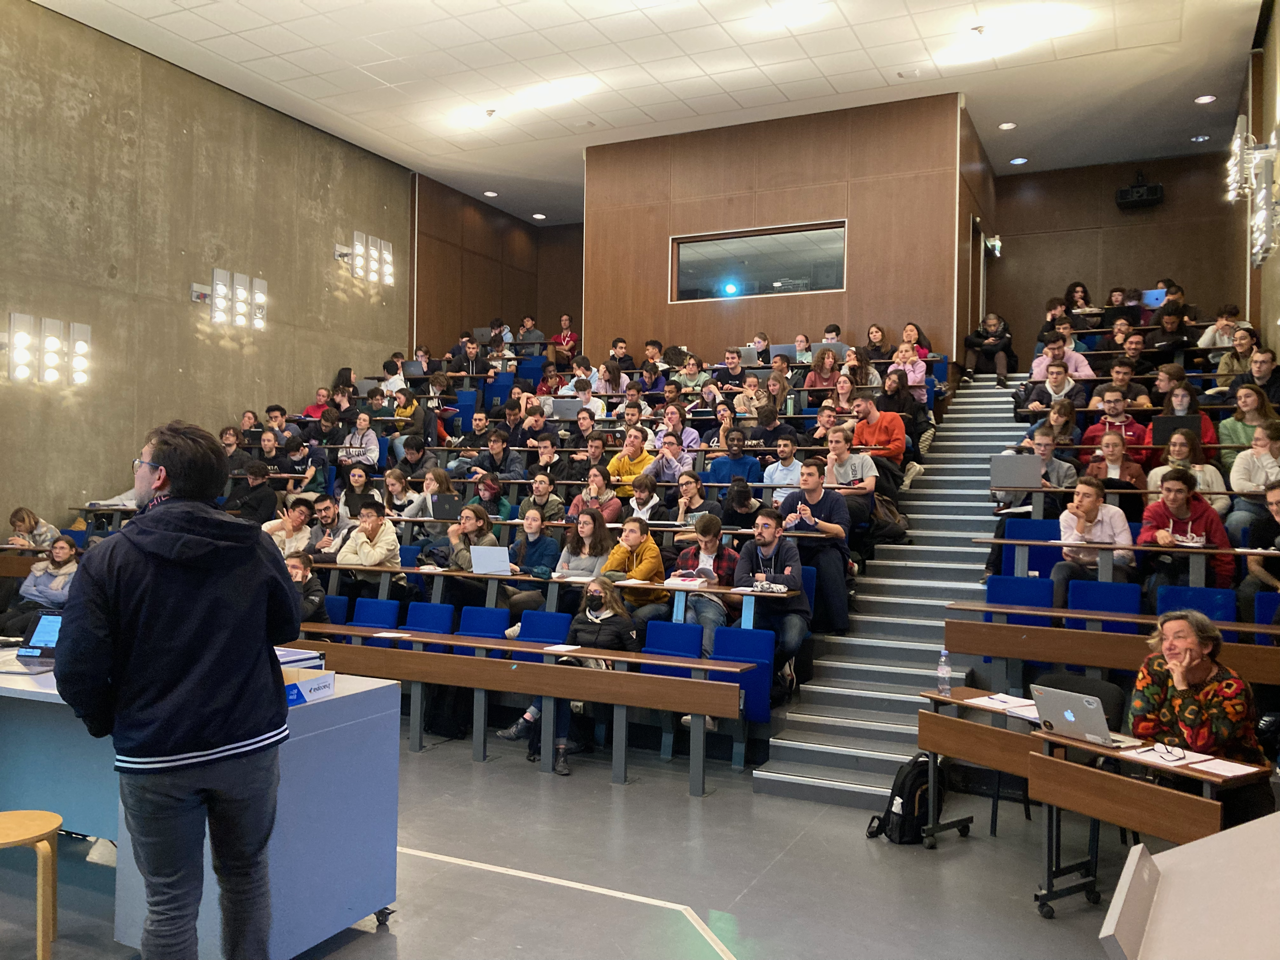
<point x="772" y="878"/>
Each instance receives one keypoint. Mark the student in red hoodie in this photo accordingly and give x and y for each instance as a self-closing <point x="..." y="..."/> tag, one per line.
<point x="1183" y="518"/>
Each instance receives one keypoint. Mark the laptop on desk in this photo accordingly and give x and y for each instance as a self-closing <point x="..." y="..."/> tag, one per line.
<point x="1162" y="428"/>
<point x="445" y="507"/>
<point x="565" y="408"/>
<point x="36" y="653"/>
<point x="490" y="560"/>
<point x="1015" y="470"/>
<point x="413" y="368"/>
<point x="1152" y="299"/>
<point x="1077" y="716"/>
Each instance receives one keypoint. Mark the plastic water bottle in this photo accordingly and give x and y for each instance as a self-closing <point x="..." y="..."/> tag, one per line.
<point x="944" y="674"/>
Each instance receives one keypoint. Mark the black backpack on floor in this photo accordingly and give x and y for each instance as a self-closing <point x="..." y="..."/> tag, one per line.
<point x="908" y="809"/>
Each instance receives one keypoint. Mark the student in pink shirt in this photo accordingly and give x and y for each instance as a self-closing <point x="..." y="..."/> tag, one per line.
<point x="906" y="360"/>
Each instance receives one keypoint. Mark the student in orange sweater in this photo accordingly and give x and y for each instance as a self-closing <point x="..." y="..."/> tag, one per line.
<point x="878" y="428"/>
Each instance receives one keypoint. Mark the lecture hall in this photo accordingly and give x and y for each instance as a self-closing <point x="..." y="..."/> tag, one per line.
<point x="661" y="479"/>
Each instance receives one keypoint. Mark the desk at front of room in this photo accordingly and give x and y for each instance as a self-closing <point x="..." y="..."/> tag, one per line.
<point x="342" y="755"/>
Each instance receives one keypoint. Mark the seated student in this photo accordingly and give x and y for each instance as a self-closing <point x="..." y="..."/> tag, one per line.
<point x="772" y="558"/>
<point x="328" y="431"/>
<point x="360" y="448"/>
<point x="813" y="509"/>
<point x="416" y="459"/>
<point x="738" y="506"/>
<point x="650" y="381"/>
<point x="45" y="587"/>
<point x="598" y="494"/>
<point x="307" y="470"/>
<point x="531" y="423"/>
<point x="804" y="353"/>
<point x="471" y="363"/>
<point x="831" y="333"/>
<point x="233" y="445"/>
<point x="276" y="415"/>
<point x="785" y="470"/>
<point x="896" y="398"/>
<point x="618" y="354"/>
<point x="1181" y="401"/>
<point x="499" y="459"/>
<point x="251" y="428"/>
<point x="548" y="460"/>
<point x="1170" y="336"/>
<point x="582" y="462"/>
<point x="1055" y="351"/>
<point x="270" y="454"/>
<point x="585" y="421"/>
<point x="543" y="500"/>
<point x="1089" y="519"/>
<point x="373" y="543"/>
<point x="781" y="366"/>
<point x="1182" y="518"/>
<point x="552" y="381"/>
<point x="392" y="379"/>
<point x="675" y="420"/>
<point x="582" y="390"/>
<point x="905" y="359"/>
<point x="766" y="435"/>
<point x="1184" y="452"/>
<point x="399" y="499"/>
<point x="489" y="495"/>
<point x="379" y="407"/>
<point x="1066" y="327"/>
<point x="691" y="376"/>
<point x="761" y="344"/>
<point x="344" y="406"/>
<point x="631" y="414"/>
<point x="653" y="350"/>
<point x="413" y="419"/>
<point x="670" y="460"/>
<point x="880" y="346"/>
<point x="1185" y="698"/>
<point x="586" y="549"/>
<point x="291" y="532"/>
<point x="1264" y="572"/>
<point x="357" y="490"/>
<point x="330" y="531"/>
<point x="852" y="475"/>
<point x="1253" y="409"/>
<point x="256" y="501"/>
<point x="1261" y="373"/>
<point x="580" y="369"/>
<point x="473" y="529"/>
<point x="1061" y="419"/>
<point x="746" y="403"/>
<point x="314" y="411"/>
<point x="603" y="623"/>
<point x="859" y="371"/>
<point x="989" y="349"/>
<point x="731" y="375"/>
<point x="709" y="397"/>
<point x="610" y="378"/>
<point x="630" y="461"/>
<point x="534" y="553"/>
<point x="636" y="557"/>
<point x="1235" y="362"/>
<point x="1221" y="335"/>
<point x="30" y="531"/>
<point x="912" y="334"/>
<point x="500" y="330"/>
<point x="691" y="499"/>
<point x="670" y="395"/>
<point x="644" y="502"/>
<point x="876" y="428"/>
<point x="529" y="338"/>
<point x="1057" y="386"/>
<point x="565" y="343"/>
<point x="469" y="445"/>
<point x="310" y="590"/>
<point x="709" y="610"/>
<point x="1113" y="463"/>
<point x="1252" y="471"/>
<point x="1117" y="334"/>
<point x="822" y="375"/>
<point x="1055" y="308"/>
<point x="1167" y="374"/>
<point x="1134" y="344"/>
<point x="1133" y="394"/>
<point x="734" y="463"/>
<point x="1054" y="474"/>
<point x="1117" y="309"/>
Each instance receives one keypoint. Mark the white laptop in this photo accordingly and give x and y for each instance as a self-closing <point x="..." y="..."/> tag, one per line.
<point x="490" y="560"/>
<point x="1078" y="716"/>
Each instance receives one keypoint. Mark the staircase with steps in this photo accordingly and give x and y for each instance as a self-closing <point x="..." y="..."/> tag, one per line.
<point x="854" y="723"/>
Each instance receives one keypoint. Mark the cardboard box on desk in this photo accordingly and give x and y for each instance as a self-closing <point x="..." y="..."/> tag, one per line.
<point x="306" y="686"/>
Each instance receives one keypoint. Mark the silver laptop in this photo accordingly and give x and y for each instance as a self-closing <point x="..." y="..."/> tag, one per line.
<point x="490" y="560"/>
<point x="1015" y="470"/>
<point x="750" y="358"/>
<point x="565" y="408"/>
<point x="1078" y="716"/>
<point x="36" y="653"/>
<point x="413" y="368"/>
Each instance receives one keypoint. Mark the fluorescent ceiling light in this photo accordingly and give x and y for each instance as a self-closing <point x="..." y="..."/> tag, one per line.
<point x="490" y="193"/>
<point x="1200" y="138"/>
<point x="790" y="13"/>
<point x="1008" y="126"/>
<point x="539" y="216"/>
<point x="1205" y="99"/>
<point x="1006" y="30"/>
<point x="1018" y="161"/>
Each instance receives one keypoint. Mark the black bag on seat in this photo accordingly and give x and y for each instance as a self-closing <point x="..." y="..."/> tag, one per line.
<point x="908" y="809"/>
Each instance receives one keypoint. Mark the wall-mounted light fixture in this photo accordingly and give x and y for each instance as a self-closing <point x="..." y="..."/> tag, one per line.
<point x="1250" y="174"/>
<point x="78" y="344"/>
<point x="22" y="347"/>
<point x="258" y="303"/>
<point x="233" y="299"/>
<point x="46" y="352"/>
<point x="368" y="258"/>
<point x="53" y="349"/>
<point x="993" y="245"/>
<point x="220" y="301"/>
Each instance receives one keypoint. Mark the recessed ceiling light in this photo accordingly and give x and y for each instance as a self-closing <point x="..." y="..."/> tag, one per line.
<point x="1006" y="30"/>
<point x="1205" y="99"/>
<point x="1200" y="138"/>
<point x="539" y="216"/>
<point x="1008" y="126"/>
<point x="1018" y="161"/>
<point x="490" y="193"/>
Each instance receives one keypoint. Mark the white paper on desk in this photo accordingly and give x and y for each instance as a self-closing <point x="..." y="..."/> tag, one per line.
<point x="1224" y="768"/>
<point x="742" y="590"/>
<point x="561" y="648"/>
<point x="429" y="568"/>
<point x="1030" y="713"/>
<point x="999" y="701"/>
<point x="1147" y="755"/>
<point x="571" y="578"/>
<point x="635" y="583"/>
<point x="390" y="633"/>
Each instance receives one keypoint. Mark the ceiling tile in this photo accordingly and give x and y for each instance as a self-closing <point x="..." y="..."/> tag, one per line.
<point x="678" y="16"/>
<point x="714" y="104"/>
<point x="277" y="69"/>
<point x="751" y="30"/>
<point x="511" y="75"/>
<point x="791" y="70"/>
<point x="380" y="98"/>
<point x="677" y="68"/>
<point x="318" y="29"/>
<point x="232" y="16"/>
<point x="434" y="147"/>
<point x="1082" y="44"/>
<point x="468" y="83"/>
<point x="492" y="24"/>
<point x="312" y="87"/>
<point x="1170" y="31"/>
<point x="631" y="117"/>
<point x="188" y="26"/>
<point x="477" y="55"/>
<point x="643" y="96"/>
<point x="650" y="48"/>
<point x="419" y="91"/>
<point x="315" y="60"/>
<point x="544" y="130"/>
<point x="759" y="96"/>
<point x="829" y="20"/>
<point x="702" y="39"/>
<point x="1147" y="11"/>
<point x="192" y="4"/>
<point x="279" y="11"/>
<point x="829" y="41"/>
<point x="608" y="100"/>
<point x="400" y="43"/>
<point x="447" y="34"/>
<point x="607" y="57"/>
<point x="356" y="51"/>
<point x="929" y="6"/>
<point x="525" y="46"/>
<point x="806" y="89"/>
<point x="1041" y="52"/>
<point x="625" y="78"/>
<point x="865" y="11"/>
<point x="381" y="120"/>
<point x="673" y="110"/>
<point x="554" y="67"/>
<point x="148" y="8"/>
<point x="694" y="87"/>
<point x="774" y="51"/>
<point x="884" y="32"/>
<point x="505" y="135"/>
<point x="723" y="61"/>
<point x="575" y="36"/>
<point x="541" y="14"/>
<point x="351" y="80"/>
<point x="557" y="111"/>
<point x="626" y="26"/>
<point x="896" y="53"/>
<point x="860" y="80"/>
<point x="436" y="63"/>
<point x="949" y="20"/>
<point x="737" y="80"/>
<point x="596" y="9"/>
<point x="963" y="69"/>
<point x="324" y="6"/>
<point x="839" y="63"/>
<point x="276" y="39"/>
<point x="457" y="8"/>
<point x="912" y="72"/>
<point x="234" y="48"/>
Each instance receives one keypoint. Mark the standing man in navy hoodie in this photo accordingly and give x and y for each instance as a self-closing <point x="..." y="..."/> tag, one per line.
<point x="166" y="645"/>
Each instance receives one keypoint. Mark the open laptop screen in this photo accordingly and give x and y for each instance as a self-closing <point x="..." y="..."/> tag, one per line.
<point x="42" y="636"/>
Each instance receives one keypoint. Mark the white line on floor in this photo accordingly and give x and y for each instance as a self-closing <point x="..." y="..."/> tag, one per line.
<point x="688" y="912"/>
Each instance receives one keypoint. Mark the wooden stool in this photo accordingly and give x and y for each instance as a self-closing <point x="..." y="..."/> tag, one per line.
<point x="38" y="830"/>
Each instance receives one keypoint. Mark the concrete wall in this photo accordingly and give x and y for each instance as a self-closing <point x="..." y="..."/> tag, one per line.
<point x="123" y="179"/>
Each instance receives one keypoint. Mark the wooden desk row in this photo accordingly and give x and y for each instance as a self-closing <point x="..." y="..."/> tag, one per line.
<point x="1196" y="555"/>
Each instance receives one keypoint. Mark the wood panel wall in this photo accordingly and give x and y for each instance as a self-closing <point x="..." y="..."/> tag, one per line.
<point x="1063" y="225"/>
<point x="891" y="169"/>
<point x="476" y="263"/>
